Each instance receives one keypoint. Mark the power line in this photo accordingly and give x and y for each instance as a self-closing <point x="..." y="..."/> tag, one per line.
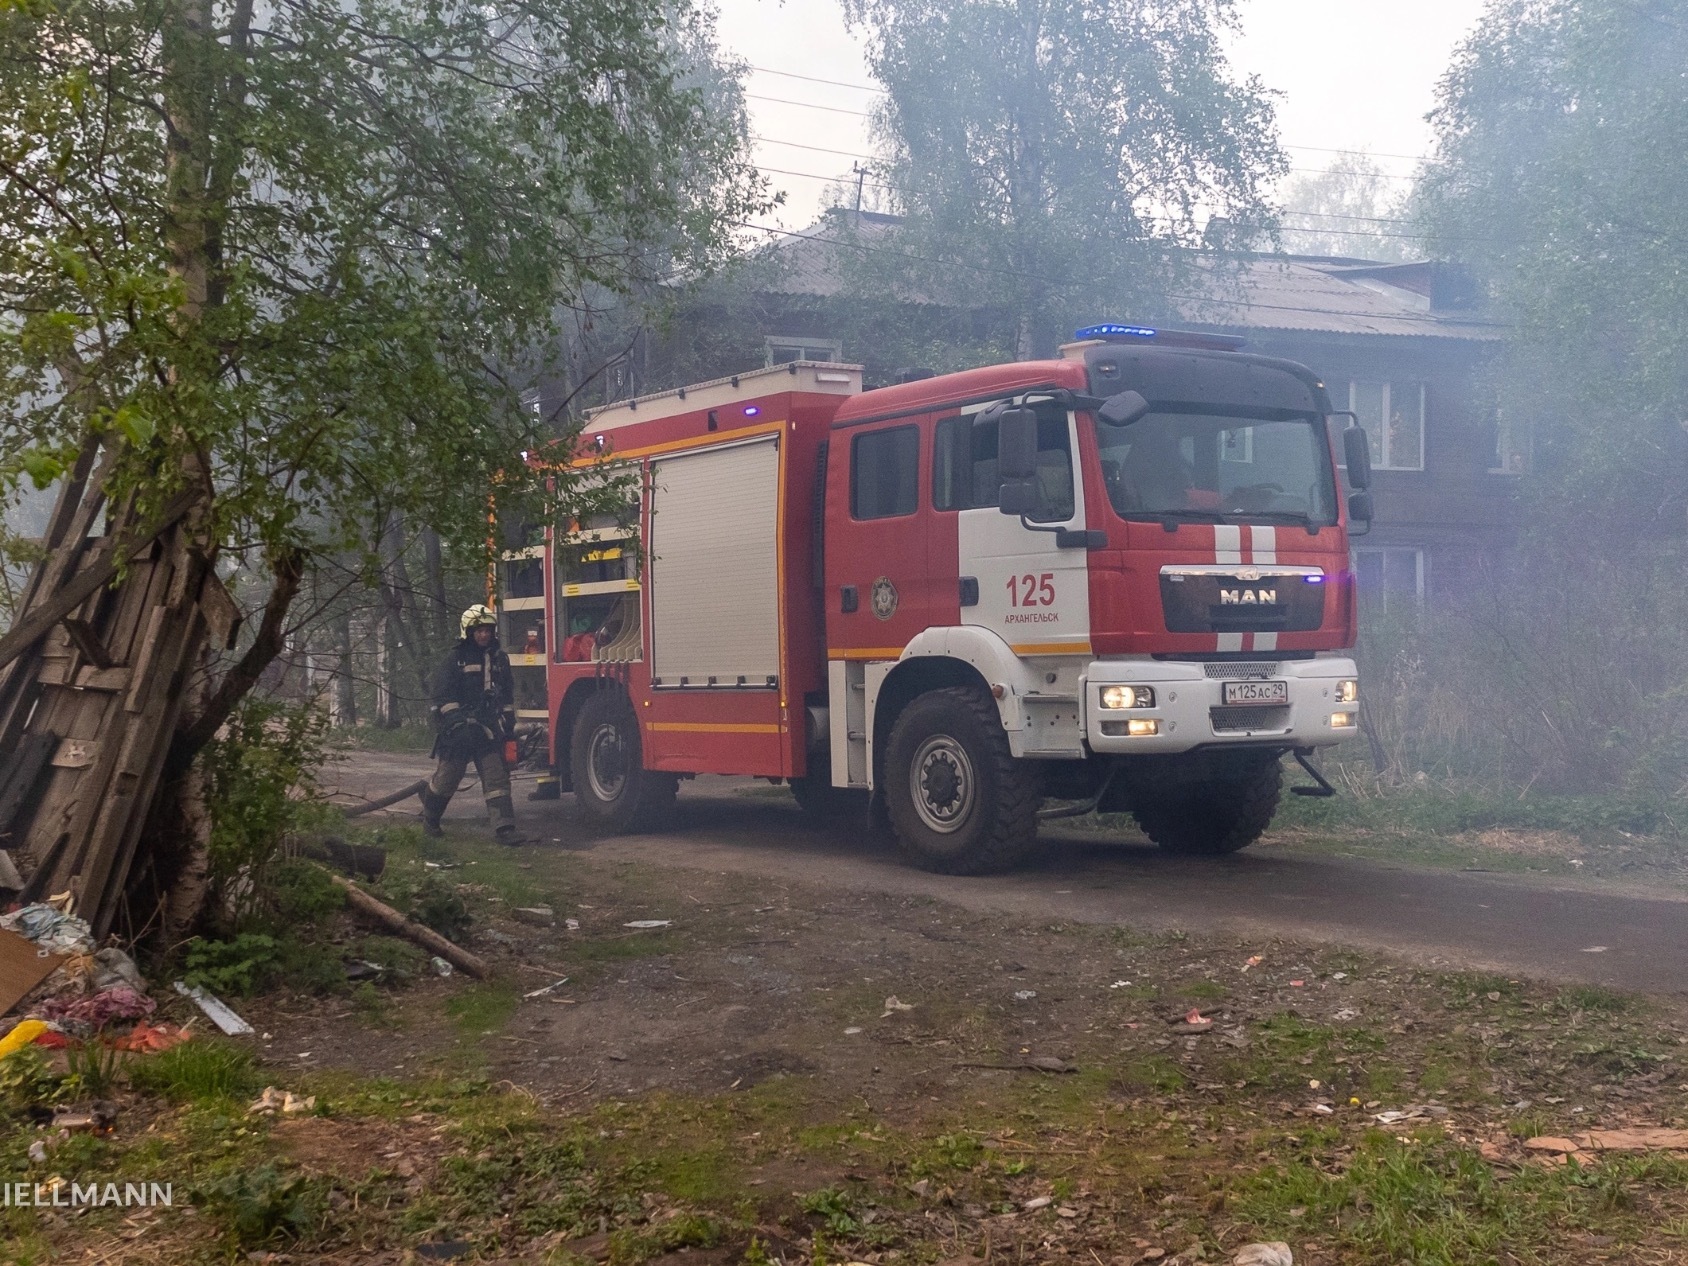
<point x="836" y="83"/>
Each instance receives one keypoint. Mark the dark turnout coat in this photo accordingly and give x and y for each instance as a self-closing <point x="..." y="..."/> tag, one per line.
<point x="474" y="697"/>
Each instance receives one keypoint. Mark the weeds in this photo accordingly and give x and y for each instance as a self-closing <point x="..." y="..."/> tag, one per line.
<point x="201" y="1071"/>
<point x="263" y="1205"/>
<point x="94" y="1067"/>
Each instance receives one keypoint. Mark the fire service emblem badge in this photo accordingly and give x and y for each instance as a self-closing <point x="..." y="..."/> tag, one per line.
<point x="884" y="598"/>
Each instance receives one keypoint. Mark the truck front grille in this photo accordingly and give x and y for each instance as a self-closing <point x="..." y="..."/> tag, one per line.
<point x="1240" y="671"/>
<point x="1249" y="720"/>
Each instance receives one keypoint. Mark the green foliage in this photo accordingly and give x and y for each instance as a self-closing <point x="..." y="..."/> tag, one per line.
<point x="834" y="1209"/>
<point x="94" y="1067"/>
<point x="250" y="962"/>
<point x="202" y="1071"/>
<point x="257" y="775"/>
<point x="429" y="899"/>
<point x="263" y="1205"/>
<point x="1048" y="152"/>
<point x="27" y="1080"/>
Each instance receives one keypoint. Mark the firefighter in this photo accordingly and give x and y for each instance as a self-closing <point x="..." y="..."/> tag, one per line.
<point x="473" y="712"/>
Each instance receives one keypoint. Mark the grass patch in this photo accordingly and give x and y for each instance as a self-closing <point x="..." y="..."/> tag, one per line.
<point x="483" y="1008"/>
<point x="201" y="1071"/>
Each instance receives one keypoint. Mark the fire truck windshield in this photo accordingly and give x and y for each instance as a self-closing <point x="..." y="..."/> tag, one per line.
<point x="1213" y="467"/>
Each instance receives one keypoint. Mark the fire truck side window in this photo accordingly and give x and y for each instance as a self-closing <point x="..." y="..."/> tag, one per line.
<point x="885" y="473"/>
<point x="964" y="471"/>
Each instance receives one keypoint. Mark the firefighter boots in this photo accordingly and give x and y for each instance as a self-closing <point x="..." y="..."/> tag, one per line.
<point x="432" y="807"/>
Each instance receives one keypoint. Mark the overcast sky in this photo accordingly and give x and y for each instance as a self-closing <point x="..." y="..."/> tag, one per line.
<point x="1351" y="74"/>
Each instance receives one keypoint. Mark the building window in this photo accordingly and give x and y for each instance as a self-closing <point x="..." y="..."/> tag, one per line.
<point x="1390" y="580"/>
<point x="782" y="350"/>
<point x="885" y="473"/>
<point x="964" y="472"/>
<point x="1392" y="416"/>
<point x="1509" y="447"/>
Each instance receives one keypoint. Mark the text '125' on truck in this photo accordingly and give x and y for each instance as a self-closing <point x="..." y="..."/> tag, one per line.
<point x="1115" y="581"/>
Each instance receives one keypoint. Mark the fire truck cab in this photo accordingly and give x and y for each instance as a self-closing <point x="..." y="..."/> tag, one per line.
<point x="1118" y="580"/>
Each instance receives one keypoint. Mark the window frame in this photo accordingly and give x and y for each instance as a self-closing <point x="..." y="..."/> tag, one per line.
<point x="1389" y="386"/>
<point x="1421" y="570"/>
<point x="834" y="346"/>
<point x="961" y="426"/>
<point x="856" y="442"/>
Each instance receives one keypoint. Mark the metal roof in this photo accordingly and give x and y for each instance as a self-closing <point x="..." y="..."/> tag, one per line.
<point x="1300" y="293"/>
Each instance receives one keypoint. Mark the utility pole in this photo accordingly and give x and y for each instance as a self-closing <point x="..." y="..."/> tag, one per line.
<point x="861" y="175"/>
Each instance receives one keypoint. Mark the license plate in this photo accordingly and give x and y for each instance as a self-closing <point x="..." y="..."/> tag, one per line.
<point x="1256" y="691"/>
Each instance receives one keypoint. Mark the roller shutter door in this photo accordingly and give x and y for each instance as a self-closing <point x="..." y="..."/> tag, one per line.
<point x="713" y="567"/>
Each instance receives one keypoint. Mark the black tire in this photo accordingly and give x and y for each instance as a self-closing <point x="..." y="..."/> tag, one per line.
<point x="959" y="802"/>
<point x="606" y="767"/>
<point x="1219" y="808"/>
<point x="826" y="805"/>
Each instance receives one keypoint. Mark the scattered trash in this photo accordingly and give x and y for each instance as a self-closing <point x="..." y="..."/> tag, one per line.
<point x="1639" y="1139"/>
<point x="1339" y="975"/>
<point x="363" y="969"/>
<point x="1275" y="1253"/>
<point x="23" y="1033"/>
<point x="1296" y="984"/>
<point x="272" y="1101"/>
<point x="1038" y="1202"/>
<point x="852" y="1030"/>
<point x="573" y="925"/>
<point x="22" y="968"/>
<point x="1323" y="1110"/>
<point x="219" y="1013"/>
<point x="1025" y="995"/>
<point x="545" y="989"/>
<point x="440" y="966"/>
<point x="149" y="1039"/>
<point x="1254" y="961"/>
<point x="443" y="865"/>
<point x="51" y="929"/>
<point x="120" y="1002"/>
<point x="537" y="916"/>
<point x="1413" y="1112"/>
<point x="1314" y="1084"/>
<point x="100" y="1119"/>
<point x="649" y="923"/>
<point x="1120" y="984"/>
<point x="1347" y="1013"/>
<point x="893" y="1004"/>
<point x="38" y="1152"/>
<point x="1193" y="1022"/>
<point x="1576" y="861"/>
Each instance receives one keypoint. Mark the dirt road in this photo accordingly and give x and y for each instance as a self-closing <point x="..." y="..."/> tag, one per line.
<point x="1475" y="921"/>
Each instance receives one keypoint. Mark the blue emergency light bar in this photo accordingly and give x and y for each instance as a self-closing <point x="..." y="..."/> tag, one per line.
<point x="1114" y="332"/>
<point x="1112" y="329"/>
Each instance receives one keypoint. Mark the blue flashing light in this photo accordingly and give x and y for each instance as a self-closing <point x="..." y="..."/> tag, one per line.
<point x="1314" y="580"/>
<point x="751" y="410"/>
<point x="1112" y="329"/>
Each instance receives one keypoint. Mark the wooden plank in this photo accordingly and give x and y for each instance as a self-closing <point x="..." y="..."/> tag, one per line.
<point x="32" y="627"/>
<point x="222" y="616"/>
<point x="113" y="679"/>
<point x="22" y="774"/>
<point x="87" y="641"/>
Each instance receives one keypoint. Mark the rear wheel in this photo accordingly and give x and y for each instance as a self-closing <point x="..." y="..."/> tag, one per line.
<point x="959" y="801"/>
<point x="607" y="769"/>
<point x="1220" y="807"/>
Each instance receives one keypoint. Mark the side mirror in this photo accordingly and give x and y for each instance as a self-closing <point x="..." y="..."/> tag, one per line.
<point x="1123" y="409"/>
<point x="1019" y="497"/>
<point x="1016" y="444"/>
<point x="1356" y="452"/>
<point x="1360" y="508"/>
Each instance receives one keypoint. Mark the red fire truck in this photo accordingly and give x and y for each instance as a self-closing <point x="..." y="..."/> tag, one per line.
<point x="1118" y="581"/>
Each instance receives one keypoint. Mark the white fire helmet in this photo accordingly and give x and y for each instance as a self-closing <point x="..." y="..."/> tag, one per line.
<point x="478" y="614"/>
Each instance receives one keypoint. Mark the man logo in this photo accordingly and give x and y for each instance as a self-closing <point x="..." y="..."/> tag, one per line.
<point x="1247" y="597"/>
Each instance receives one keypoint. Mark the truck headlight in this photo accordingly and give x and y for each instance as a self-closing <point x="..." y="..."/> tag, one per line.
<point x="1116" y="697"/>
<point x="1342" y="720"/>
<point x="1145" y="727"/>
<point x="1347" y="691"/>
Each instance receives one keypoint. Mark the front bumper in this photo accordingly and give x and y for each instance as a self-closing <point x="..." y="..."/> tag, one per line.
<point x="1190" y="710"/>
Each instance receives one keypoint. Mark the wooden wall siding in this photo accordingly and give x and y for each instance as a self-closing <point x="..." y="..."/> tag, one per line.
<point x="106" y="685"/>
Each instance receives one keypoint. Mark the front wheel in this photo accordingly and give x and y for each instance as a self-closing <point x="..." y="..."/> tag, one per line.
<point x="1219" y="807"/>
<point x="959" y="801"/>
<point x="606" y="764"/>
